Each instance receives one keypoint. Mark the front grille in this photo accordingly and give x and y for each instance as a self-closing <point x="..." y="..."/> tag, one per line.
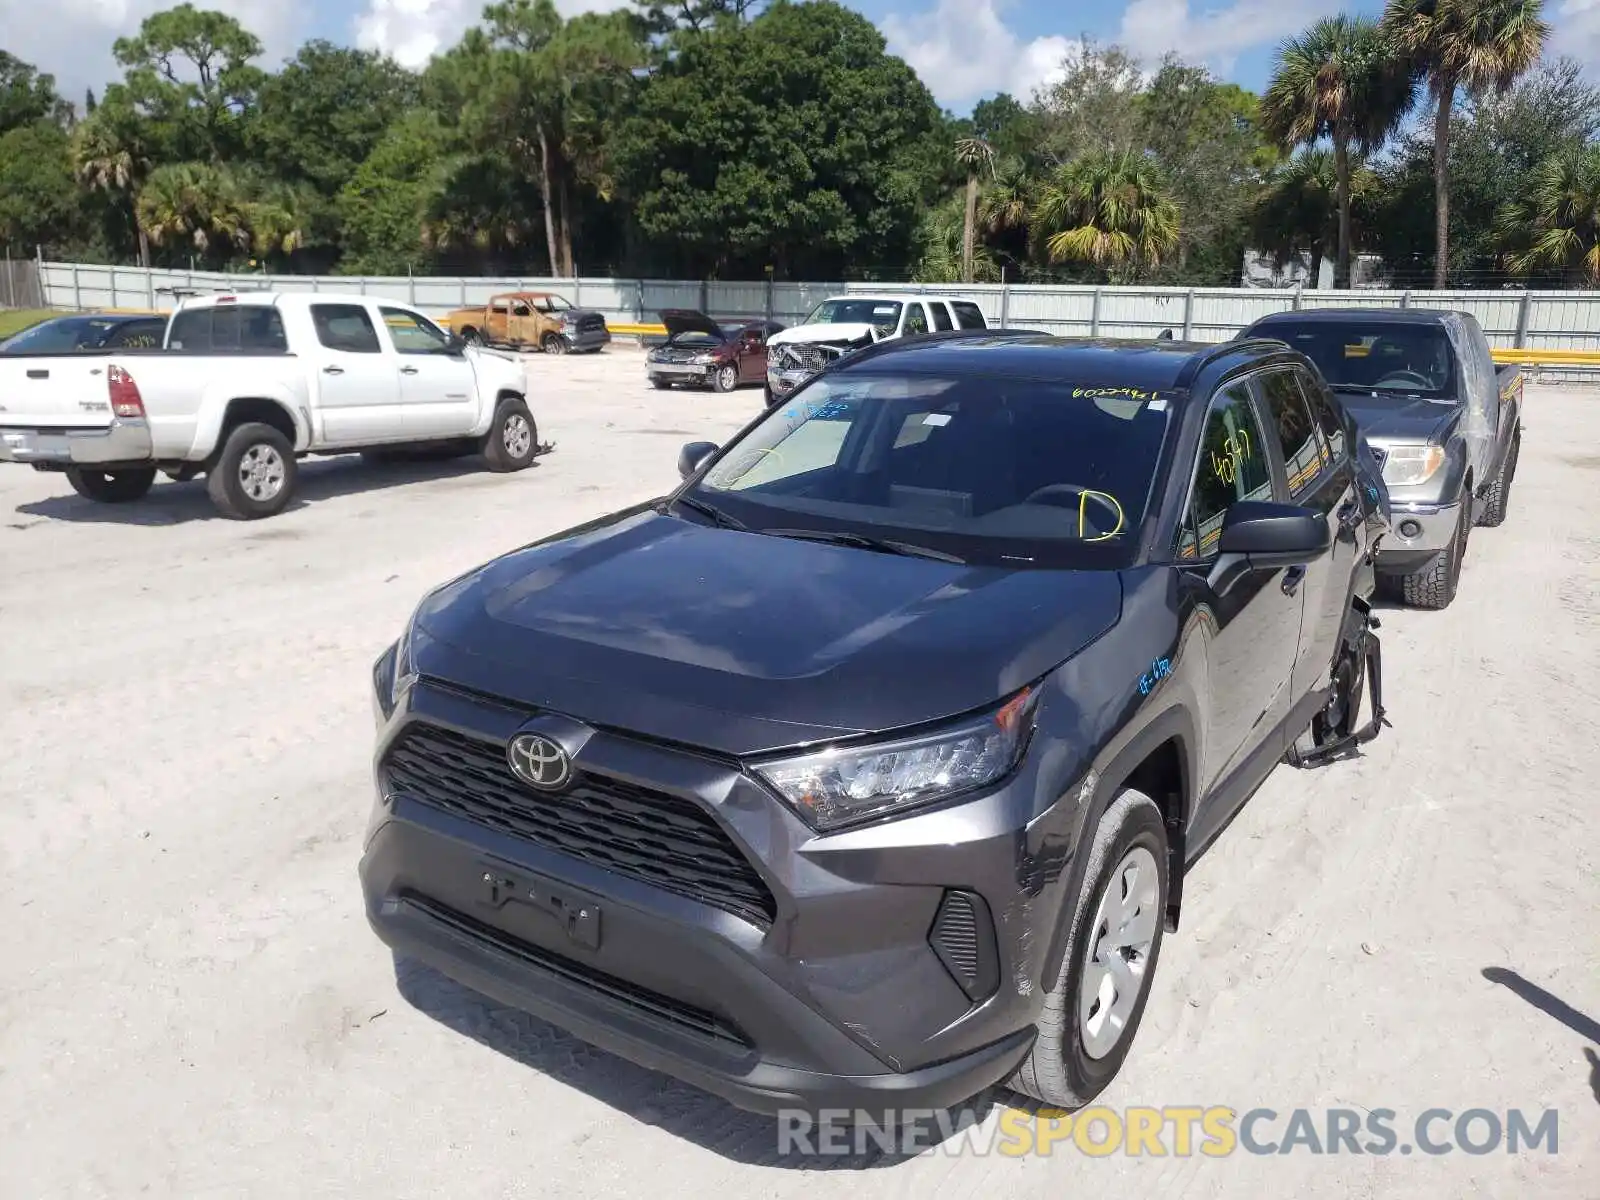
<point x="808" y="358"/>
<point x="654" y="1004"/>
<point x="652" y="836"/>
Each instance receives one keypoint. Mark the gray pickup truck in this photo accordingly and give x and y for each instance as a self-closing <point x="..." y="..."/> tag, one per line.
<point x="1441" y="419"/>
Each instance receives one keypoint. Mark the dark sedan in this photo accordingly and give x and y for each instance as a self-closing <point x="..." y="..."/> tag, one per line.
<point x="864" y="769"/>
<point x="702" y="353"/>
<point x="89" y="331"/>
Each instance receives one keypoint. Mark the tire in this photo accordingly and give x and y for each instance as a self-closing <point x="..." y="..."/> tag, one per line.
<point x="1434" y="587"/>
<point x="513" y="438"/>
<point x="254" y="475"/>
<point x="660" y="385"/>
<point x="553" y="343"/>
<point x="725" y="379"/>
<point x="472" y="337"/>
<point x="111" y="487"/>
<point x="1499" y="494"/>
<point x="1067" y="1066"/>
<point x="766" y="392"/>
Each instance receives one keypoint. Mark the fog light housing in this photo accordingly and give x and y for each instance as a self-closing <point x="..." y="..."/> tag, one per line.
<point x="1410" y="528"/>
<point x="963" y="938"/>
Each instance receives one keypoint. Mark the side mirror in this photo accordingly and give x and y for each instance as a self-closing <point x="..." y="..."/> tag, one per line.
<point x="1164" y="336"/>
<point x="1267" y="534"/>
<point x="692" y="456"/>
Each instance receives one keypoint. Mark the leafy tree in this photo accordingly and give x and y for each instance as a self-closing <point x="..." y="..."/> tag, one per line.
<point x="1338" y="80"/>
<point x="1008" y="126"/>
<point x="695" y="16"/>
<point x="1478" y="45"/>
<point x="27" y="97"/>
<point x="38" y="202"/>
<point x="792" y="141"/>
<point x="386" y="204"/>
<point x="1297" y="211"/>
<point x="111" y="157"/>
<point x="190" y="76"/>
<point x="942" y="256"/>
<point x="1093" y="107"/>
<point x="1108" y="210"/>
<point x="320" y="116"/>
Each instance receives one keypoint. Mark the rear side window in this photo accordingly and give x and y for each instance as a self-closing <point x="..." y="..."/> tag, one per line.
<point x="1232" y="467"/>
<point x="916" y="320"/>
<point x="1304" y="454"/>
<point x="136" y="335"/>
<point x="941" y="315"/>
<point x="969" y="315"/>
<point x="229" y="329"/>
<point x="345" y="327"/>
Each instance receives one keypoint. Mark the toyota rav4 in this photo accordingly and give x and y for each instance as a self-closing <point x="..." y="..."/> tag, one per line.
<point x="866" y="766"/>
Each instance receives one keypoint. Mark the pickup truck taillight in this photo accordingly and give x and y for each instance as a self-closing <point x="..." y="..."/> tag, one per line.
<point x="125" y="398"/>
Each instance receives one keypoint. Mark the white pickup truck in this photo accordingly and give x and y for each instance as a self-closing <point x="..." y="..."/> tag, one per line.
<point x="245" y="385"/>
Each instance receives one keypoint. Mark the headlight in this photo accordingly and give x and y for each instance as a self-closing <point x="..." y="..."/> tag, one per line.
<point x="703" y="360"/>
<point x="1407" y="465"/>
<point x="394" y="673"/>
<point x="840" y="786"/>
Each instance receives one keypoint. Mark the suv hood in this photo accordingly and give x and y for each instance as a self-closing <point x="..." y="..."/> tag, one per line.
<point x="797" y="334"/>
<point x="1401" y="420"/>
<point x="743" y="642"/>
<point x="687" y="320"/>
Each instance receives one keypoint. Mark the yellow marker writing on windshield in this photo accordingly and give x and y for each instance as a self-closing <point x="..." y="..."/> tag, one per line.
<point x="1083" y="503"/>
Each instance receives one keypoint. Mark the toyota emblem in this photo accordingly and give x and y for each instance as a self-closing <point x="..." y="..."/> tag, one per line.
<point x="539" y="762"/>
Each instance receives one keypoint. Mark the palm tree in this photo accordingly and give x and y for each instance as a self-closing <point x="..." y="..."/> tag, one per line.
<point x="1297" y="210"/>
<point x="105" y="161"/>
<point x="1556" y="225"/>
<point x="941" y="260"/>
<point x="1478" y="45"/>
<point x="1340" y="80"/>
<point x="197" y="203"/>
<point x="975" y="155"/>
<point x="1108" y="209"/>
<point x="1004" y="208"/>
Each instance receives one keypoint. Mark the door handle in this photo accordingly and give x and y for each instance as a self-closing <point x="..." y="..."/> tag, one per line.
<point x="408" y="370"/>
<point x="1291" y="580"/>
<point x="333" y="370"/>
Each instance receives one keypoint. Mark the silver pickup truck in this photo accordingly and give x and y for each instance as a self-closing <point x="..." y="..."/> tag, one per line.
<point x="1442" y="420"/>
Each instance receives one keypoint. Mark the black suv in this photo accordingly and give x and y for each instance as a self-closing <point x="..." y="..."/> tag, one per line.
<point x="864" y="768"/>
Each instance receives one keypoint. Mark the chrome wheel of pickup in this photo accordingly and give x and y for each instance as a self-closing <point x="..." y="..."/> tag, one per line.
<point x="516" y="435"/>
<point x="1118" y="951"/>
<point x="261" y="472"/>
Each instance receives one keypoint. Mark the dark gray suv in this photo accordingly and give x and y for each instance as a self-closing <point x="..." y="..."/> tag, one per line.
<point x="863" y="770"/>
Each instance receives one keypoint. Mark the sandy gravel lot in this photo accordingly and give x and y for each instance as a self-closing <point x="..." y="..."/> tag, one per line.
<point x="191" y="1004"/>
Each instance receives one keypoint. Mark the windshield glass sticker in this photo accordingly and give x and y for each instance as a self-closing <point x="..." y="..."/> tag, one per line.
<point x="936" y="419"/>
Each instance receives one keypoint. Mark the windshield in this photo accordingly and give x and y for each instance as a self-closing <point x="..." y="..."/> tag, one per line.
<point x="1414" y="360"/>
<point x="50" y="337"/>
<point x="997" y="471"/>
<point x="884" y="314"/>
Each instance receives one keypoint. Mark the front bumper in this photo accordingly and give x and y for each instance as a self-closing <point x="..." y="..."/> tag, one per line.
<point x="841" y="1001"/>
<point x="123" y="441"/>
<point x="781" y="383"/>
<point x="1417" y="532"/>
<point x="682" y="372"/>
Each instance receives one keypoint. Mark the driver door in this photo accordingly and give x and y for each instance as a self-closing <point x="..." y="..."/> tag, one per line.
<point x="524" y="326"/>
<point x="496" y="323"/>
<point x="436" y="384"/>
<point x="753" y="354"/>
<point x="1248" y="621"/>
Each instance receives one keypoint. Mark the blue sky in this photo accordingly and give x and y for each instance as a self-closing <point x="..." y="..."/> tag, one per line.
<point x="963" y="49"/>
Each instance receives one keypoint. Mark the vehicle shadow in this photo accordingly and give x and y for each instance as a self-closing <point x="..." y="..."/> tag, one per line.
<point x="677" y="1108"/>
<point x="1553" y="1006"/>
<point x="170" y="503"/>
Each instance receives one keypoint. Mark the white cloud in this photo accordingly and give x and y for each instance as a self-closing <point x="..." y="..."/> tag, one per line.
<point x="413" y="31"/>
<point x="964" y="51"/>
<point x="1216" y="36"/>
<point x="1576" y="32"/>
<point x="72" y="38"/>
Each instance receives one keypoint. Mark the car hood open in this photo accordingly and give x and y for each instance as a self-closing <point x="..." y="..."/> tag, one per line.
<point x="688" y="320"/>
<point x="743" y="642"/>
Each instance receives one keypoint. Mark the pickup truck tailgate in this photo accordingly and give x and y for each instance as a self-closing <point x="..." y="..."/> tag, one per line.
<point x="54" y="392"/>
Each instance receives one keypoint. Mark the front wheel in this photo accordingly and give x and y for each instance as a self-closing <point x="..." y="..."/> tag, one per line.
<point x="111" y="487"/>
<point x="1093" y="1010"/>
<point x="553" y="343"/>
<point x="1434" y="587"/>
<point x="254" y="475"/>
<point x="513" y="438"/>
<point x="726" y="378"/>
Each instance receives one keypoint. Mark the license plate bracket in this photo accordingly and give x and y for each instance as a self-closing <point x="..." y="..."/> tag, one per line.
<point x="576" y="914"/>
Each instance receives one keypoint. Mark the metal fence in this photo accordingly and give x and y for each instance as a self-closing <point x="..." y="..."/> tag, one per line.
<point x="19" y="283"/>
<point x="1512" y="319"/>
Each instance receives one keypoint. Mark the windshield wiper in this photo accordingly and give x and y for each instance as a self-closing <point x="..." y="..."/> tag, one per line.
<point x="706" y="510"/>
<point x="863" y="542"/>
<point x="1368" y="389"/>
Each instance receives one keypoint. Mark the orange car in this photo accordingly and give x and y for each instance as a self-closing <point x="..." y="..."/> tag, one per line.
<point x="531" y="321"/>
